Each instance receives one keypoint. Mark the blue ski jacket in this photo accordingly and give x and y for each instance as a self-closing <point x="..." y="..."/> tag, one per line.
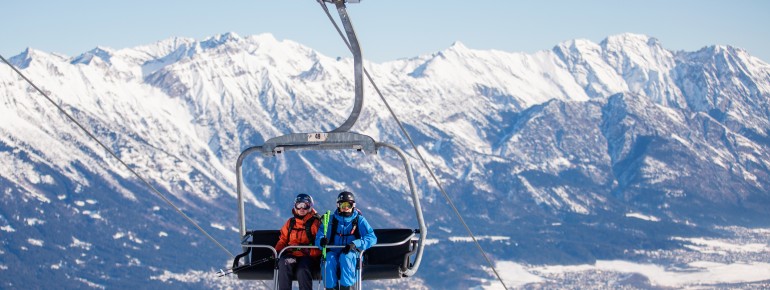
<point x="345" y="233"/>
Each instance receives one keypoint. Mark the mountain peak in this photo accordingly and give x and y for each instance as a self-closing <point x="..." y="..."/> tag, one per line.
<point x="457" y="45"/>
<point x="103" y="53"/>
<point x="638" y="50"/>
<point x="721" y="50"/>
<point x="23" y="59"/>
<point x="630" y="41"/>
<point x="629" y="38"/>
<point x="456" y="49"/>
<point x="220" y="39"/>
<point x="576" y="46"/>
<point x="264" y="37"/>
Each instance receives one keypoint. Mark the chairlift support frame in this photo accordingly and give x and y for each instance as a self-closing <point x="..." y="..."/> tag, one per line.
<point x="332" y="141"/>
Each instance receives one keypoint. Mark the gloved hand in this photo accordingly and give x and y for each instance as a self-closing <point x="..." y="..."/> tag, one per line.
<point x="349" y="247"/>
<point x="324" y="241"/>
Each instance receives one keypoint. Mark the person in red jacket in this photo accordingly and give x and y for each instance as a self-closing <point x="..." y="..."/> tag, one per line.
<point x="299" y="230"/>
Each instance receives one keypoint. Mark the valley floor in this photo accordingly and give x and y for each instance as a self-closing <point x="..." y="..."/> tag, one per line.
<point x="741" y="260"/>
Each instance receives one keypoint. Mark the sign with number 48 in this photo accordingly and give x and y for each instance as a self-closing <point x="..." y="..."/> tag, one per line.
<point x="317" y="137"/>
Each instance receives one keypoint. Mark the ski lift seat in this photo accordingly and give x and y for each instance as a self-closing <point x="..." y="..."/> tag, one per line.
<point x="389" y="258"/>
<point x="261" y="271"/>
<point x="386" y="260"/>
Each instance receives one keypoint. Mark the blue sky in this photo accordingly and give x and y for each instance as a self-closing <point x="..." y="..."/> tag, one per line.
<point x="388" y="29"/>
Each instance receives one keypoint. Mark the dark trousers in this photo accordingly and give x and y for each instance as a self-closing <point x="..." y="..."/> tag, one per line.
<point x="300" y="268"/>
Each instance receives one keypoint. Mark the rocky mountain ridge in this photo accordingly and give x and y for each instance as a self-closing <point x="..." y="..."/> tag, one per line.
<point x="553" y="150"/>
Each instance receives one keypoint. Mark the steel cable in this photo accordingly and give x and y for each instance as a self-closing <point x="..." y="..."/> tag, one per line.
<point x="422" y="159"/>
<point x="147" y="183"/>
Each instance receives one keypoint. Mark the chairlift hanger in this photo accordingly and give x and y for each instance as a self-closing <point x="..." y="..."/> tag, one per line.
<point x="392" y="257"/>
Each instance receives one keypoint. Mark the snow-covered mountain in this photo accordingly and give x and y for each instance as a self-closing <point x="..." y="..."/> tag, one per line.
<point x="559" y="152"/>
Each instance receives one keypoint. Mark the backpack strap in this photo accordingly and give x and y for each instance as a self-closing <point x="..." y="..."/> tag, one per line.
<point x="355" y="231"/>
<point x="355" y="224"/>
<point x="334" y="230"/>
<point x="308" y="229"/>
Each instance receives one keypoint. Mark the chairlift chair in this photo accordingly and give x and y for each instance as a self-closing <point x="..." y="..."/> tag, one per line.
<point x="398" y="251"/>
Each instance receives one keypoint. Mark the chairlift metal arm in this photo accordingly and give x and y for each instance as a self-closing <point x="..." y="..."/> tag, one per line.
<point x="358" y="67"/>
<point x="417" y="208"/>
<point x="239" y="187"/>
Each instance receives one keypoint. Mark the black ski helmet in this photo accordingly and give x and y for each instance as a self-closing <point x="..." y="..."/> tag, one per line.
<point x="303" y="197"/>
<point x="346" y="196"/>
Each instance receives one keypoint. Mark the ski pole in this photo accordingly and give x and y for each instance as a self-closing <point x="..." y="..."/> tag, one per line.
<point x="222" y="273"/>
<point x="326" y="226"/>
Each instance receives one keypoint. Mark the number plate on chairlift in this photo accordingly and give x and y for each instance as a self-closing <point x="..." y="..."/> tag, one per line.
<point x="317" y="137"/>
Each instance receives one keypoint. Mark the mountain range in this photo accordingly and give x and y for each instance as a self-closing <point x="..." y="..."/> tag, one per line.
<point x="568" y="155"/>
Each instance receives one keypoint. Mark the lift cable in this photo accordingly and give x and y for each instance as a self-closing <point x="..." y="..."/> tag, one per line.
<point x="424" y="162"/>
<point x="147" y="183"/>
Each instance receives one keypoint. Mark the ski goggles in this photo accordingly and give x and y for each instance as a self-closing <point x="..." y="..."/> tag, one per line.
<point x="345" y="204"/>
<point x="301" y="205"/>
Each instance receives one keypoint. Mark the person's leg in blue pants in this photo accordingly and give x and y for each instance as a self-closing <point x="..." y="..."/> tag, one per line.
<point x="348" y="271"/>
<point x="330" y="270"/>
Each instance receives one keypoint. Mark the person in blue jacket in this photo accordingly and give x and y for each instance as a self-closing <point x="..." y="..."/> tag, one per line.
<point x="347" y="227"/>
